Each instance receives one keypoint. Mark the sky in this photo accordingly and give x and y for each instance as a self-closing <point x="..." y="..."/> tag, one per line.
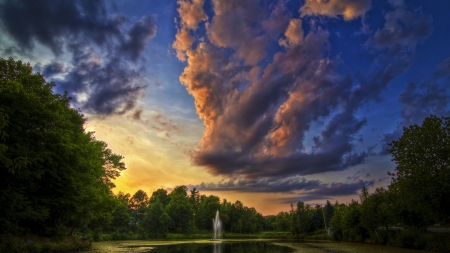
<point x="266" y="102"/>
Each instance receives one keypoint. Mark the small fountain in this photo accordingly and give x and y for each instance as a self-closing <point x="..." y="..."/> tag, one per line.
<point x="217" y="227"/>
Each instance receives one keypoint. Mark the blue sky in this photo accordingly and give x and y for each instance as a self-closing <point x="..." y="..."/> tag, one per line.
<point x="268" y="102"/>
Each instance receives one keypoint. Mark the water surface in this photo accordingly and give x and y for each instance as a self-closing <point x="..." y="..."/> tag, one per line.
<point x="205" y="246"/>
<point x="199" y="247"/>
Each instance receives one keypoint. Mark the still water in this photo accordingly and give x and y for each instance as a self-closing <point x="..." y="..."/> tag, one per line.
<point x="204" y="246"/>
<point x="223" y="247"/>
<point x="244" y="247"/>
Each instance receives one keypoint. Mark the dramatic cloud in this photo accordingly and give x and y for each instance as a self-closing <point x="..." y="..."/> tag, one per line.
<point x="191" y="14"/>
<point x="101" y="86"/>
<point x="100" y="78"/>
<point x="48" y="22"/>
<point x="182" y="43"/>
<point x="331" y="191"/>
<point x="349" y="9"/>
<point x="259" y="117"/>
<point x="138" y="36"/>
<point x="306" y="189"/>
<point x="273" y="185"/>
<point x="244" y="38"/>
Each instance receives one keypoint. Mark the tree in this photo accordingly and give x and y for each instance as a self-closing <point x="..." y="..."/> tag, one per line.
<point x="316" y="221"/>
<point x="377" y="210"/>
<point x="161" y="196"/>
<point x="180" y="209"/>
<point x="282" y="221"/>
<point x="301" y="219"/>
<point x="113" y="165"/>
<point x="195" y="198"/>
<point x="328" y="212"/>
<point x="121" y="217"/>
<point x="207" y="211"/>
<point x="353" y="230"/>
<point x="225" y="213"/>
<point x="270" y="222"/>
<point x="157" y="222"/>
<point x="138" y="205"/>
<point x="52" y="173"/>
<point x="124" y="198"/>
<point x="422" y="175"/>
<point x="179" y="190"/>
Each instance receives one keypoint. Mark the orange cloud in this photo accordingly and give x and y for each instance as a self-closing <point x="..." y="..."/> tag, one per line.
<point x="191" y="14"/>
<point x="183" y="41"/>
<point x="256" y="117"/>
<point x="293" y="34"/>
<point x="349" y="9"/>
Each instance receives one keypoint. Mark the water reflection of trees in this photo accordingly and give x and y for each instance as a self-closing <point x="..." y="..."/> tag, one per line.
<point x="248" y="247"/>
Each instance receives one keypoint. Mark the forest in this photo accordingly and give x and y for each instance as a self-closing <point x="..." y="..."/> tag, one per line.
<point x="56" y="180"/>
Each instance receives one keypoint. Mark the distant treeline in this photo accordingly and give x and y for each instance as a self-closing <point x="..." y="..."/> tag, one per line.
<point x="181" y="211"/>
<point x="56" y="179"/>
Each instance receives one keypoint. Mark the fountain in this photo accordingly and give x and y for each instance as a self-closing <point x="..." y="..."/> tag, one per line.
<point x="217" y="227"/>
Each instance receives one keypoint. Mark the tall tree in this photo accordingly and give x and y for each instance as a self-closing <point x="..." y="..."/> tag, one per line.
<point x="157" y="222"/>
<point x="194" y="198"/>
<point x="180" y="209"/>
<point x="422" y="175"/>
<point x="301" y="218"/>
<point x="138" y="205"/>
<point x="52" y="172"/>
<point x="207" y="210"/>
<point x="161" y="196"/>
<point x="377" y="210"/>
<point x="327" y="213"/>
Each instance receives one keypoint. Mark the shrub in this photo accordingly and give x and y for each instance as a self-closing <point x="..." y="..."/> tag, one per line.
<point x="439" y="242"/>
<point x="58" y="233"/>
<point x="35" y="248"/>
<point x="97" y="236"/>
<point x="412" y="238"/>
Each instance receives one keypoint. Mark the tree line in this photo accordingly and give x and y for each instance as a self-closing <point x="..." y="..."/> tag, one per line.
<point x="180" y="211"/>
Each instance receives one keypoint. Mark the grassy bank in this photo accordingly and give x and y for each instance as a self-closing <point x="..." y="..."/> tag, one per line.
<point x="343" y="247"/>
<point x="35" y="244"/>
<point x="206" y="235"/>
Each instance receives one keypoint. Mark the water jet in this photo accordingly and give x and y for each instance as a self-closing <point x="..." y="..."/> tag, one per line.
<point x="217" y="227"/>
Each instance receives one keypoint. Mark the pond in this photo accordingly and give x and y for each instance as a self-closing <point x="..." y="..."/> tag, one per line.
<point x="199" y="247"/>
<point x="226" y="247"/>
<point x="250" y="246"/>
